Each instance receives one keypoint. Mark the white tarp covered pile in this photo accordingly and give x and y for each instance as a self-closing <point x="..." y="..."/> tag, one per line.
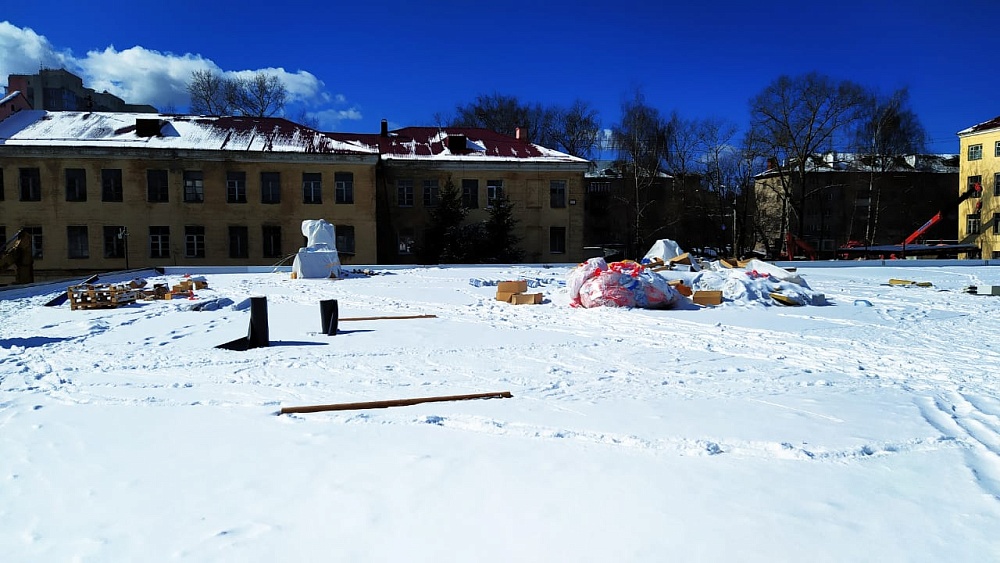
<point x="755" y="281"/>
<point x="319" y="258"/>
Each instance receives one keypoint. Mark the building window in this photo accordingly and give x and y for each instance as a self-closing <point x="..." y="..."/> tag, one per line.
<point x="996" y="184"/>
<point x="557" y="240"/>
<point x="404" y="193"/>
<point x="975" y="152"/>
<point x="194" y="186"/>
<point x="470" y="194"/>
<point x="1" y="189"/>
<point x="972" y="224"/>
<point x="36" y="241"/>
<point x="996" y="223"/>
<point x="31" y="184"/>
<point x="111" y="184"/>
<point x="236" y="187"/>
<point x="973" y="182"/>
<point x="557" y="193"/>
<point x="996" y="150"/>
<point x="194" y="241"/>
<point x="159" y="242"/>
<point x="76" y="241"/>
<point x="407" y="241"/>
<point x="312" y="187"/>
<point x="494" y="191"/>
<point x="239" y="242"/>
<point x="345" y="186"/>
<point x="599" y="187"/>
<point x="271" y="235"/>
<point x="432" y="193"/>
<point x="156" y="186"/>
<point x="345" y="239"/>
<point x="76" y="184"/>
<point x="270" y="187"/>
<point x="114" y="241"/>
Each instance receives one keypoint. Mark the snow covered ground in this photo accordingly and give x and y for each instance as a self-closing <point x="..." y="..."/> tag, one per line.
<point x="866" y="429"/>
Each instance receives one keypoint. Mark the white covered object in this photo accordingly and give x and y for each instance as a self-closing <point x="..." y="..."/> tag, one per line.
<point x="319" y="259"/>
<point x="665" y="249"/>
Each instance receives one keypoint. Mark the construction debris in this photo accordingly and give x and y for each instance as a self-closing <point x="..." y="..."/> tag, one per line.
<point x="102" y="296"/>
<point x="394" y="403"/>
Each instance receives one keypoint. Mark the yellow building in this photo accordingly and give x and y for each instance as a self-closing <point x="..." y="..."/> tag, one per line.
<point x="109" y="191"/>
<point x="545" y="187"/>
<point x="979" y="217"/>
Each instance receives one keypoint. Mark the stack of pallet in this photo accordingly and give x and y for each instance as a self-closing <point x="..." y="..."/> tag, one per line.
<point x="101" y="296"/>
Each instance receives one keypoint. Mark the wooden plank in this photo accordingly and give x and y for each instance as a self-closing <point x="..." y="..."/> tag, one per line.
<point x="394" y="402"/>
<point x="388" y="318"/>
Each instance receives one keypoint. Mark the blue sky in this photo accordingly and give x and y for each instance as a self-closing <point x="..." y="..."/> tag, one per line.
<point x="351" y="64"/>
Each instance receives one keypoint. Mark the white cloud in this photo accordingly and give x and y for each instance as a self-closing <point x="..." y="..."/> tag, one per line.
<point x="144" y="76"/>
<point x="331" y="119"/>
<point x="24" y="52"/>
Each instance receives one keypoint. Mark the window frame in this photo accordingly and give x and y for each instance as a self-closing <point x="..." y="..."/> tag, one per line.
<point x="973" y="224"/>
<point x="470" y="193"/>
<point x="114" y="246"/>
<point x="271" y="241"/>
<point x="157" y="185"/>
<point x="239" y="233"/>
<point x="37" y="241"/>
<point x="159" y="241"/>
<point x="194" y="186"/>
<point x="345" y="241"/>
<point x="557" y="194"/>
<point x="236" y="186"/>
<point x="996" y="150"/>
<point x="344" y="184"/>
<point x="431" y="192"/>
<point x="75" y="180"/>
<point x="975" y="152"/>
<point x="312" y="188"/>
<point x="494" y="192"/>
<point x="194" y="241"/>
<point x="270" y="188"/>
<point x="406" y="242"/>
<point x="77" y="242"/>
<point x="112" y="186"/>
<point x="404" y="192"/>
<point x="29" y="183"/>
<point x="557" y="240"/>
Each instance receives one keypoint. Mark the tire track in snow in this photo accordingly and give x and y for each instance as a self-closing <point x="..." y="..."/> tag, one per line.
<point x="963" y="417"/>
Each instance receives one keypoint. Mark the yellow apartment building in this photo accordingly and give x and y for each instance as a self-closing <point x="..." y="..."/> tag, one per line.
<point x="979" y="216"/>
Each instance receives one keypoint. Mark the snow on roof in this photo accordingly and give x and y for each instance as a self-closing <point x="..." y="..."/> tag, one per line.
<point x="980" y="127"/>
<point x="482" y="145"/>
<point x="855" y="162"/>
<point x="146" y="130"/>
<point x="10" y="97"/>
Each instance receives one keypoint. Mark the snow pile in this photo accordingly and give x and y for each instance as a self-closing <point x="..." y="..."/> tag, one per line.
<point x="595" y="283"/>
<point x="757" y="281"/>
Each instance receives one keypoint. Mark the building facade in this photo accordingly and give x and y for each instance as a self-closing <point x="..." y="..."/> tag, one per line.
<point x="110" y="191"/>
<point x="979" y="216"/>
<point x="544" y="186"/>
<point x="61" y="90"/>
<point x="854" y="199"/>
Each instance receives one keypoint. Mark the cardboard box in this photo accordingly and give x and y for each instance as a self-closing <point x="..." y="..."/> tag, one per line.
<point x="519" y="286"/>
<point x="200" y="284"/>
<point x="684" y="258"/>
<point x="505" y="296"/>
<point x="707" y="298"/>
<point x="526" y="298"/>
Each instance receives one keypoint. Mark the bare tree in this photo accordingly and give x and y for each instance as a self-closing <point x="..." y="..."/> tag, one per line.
<point x="261" y="95"/>
<point x="728" y="173"/>
<point x="795" y="118"/>
<point x="505" y="115"/>
<point x="888" y="130"/>
<point x="575" y="130"/>
<point x="210" y="93"/>
<point x="641" y="138"/>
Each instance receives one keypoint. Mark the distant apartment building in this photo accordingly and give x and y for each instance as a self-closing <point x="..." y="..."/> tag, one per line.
<point x="61" y="90"/>
<point x="105" y="191"/>
<point x="415" y="163"/>
<point x="979" y="216"/>
<point x="855" y="198"/>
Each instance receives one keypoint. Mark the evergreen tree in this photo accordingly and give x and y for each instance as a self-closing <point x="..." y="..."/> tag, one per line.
<point x="442" y="239"/>
<point x="500" y="245"/>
